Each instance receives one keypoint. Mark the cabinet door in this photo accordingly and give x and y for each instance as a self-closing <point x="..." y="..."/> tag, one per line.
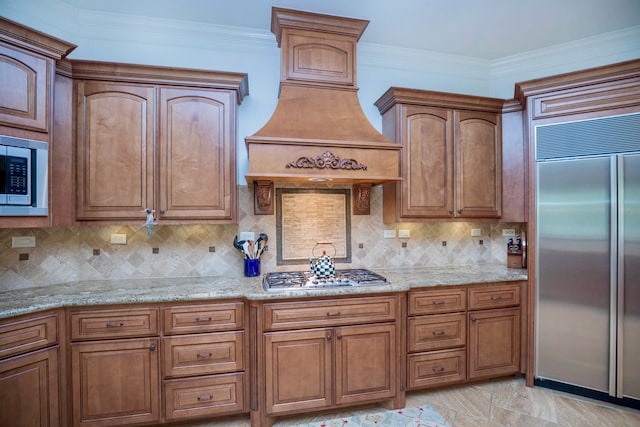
<point x="24" y="89"/>
<point x="366" y="361"/>
<point x="29" y="390"/>
<point x="494" y="342"/>
<point x="427" y="162"/>
<point x="115" y="382"/>
<point x="478" y="164"/>
<point x="197" y="154"/>
<point x="298" y="370"/>
<point x="114" y="150"/>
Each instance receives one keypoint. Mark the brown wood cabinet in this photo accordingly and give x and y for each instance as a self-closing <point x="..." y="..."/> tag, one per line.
<point x="157" y="138"/>
<point x="463" y="333"/>
<point x="205" y="354"/>
<point x="114" y="381"/>
<point x="316" y="355"/>
<point x="29" y="371"/>
<point x="451" y="158"/>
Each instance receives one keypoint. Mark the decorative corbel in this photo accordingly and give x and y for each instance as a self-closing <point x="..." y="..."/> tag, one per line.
<point x="361" y="199"/>
<point x="263" y="197"/>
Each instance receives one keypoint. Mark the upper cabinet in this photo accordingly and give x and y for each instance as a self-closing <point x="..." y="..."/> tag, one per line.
<point x="157" y="138"/>
<point x="451" y="163"/>
<point x="27" y="65"/>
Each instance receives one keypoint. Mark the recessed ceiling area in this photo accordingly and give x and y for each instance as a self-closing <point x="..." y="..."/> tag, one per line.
<point x="488" y="30"/>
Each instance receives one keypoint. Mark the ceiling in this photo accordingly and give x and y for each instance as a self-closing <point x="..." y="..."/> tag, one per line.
<point x="488" y="29"/>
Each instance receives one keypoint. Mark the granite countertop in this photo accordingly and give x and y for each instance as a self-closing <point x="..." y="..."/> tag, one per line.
<point x="127" y="291"/>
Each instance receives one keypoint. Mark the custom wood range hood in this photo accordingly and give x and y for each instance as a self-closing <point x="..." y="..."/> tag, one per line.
<point x="318" y="131"/>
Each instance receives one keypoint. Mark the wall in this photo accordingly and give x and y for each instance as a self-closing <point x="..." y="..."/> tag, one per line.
<point x="64" y="254"/>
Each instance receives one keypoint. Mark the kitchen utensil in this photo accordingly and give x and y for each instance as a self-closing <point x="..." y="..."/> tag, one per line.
<point x="322" y="266"/>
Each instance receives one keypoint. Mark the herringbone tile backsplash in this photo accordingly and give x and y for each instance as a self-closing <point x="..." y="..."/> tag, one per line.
<point x="64" y="254"/>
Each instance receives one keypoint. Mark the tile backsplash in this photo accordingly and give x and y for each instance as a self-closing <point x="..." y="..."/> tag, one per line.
<point x="64" y="254"/>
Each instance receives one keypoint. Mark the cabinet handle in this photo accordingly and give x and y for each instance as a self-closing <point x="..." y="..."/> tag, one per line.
<point x="203" y="319"/>
<point x="473" y="319"/>
<point x="439" y="369"/>
<point x="496" y="297"/>
<point x="329" y="337"/>
<point x="450" y="211"/>
<point x="438" y="302"/>
<point x="438" y="333"/>
<point x="339" y="336"/>
<point x="163" y="211"/>
<point x="333" y="313"/>
<point x="204" y="356"/>
<point x="115" y="325"/>
<point x="205" y="398"/>
<point x="152" y="347"/>
<point x="459" y="211"/>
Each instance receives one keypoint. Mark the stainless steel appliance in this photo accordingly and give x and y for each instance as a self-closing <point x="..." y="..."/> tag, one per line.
<point x="301" y="280"/>
<point x="588" y="258"/>
<point x="23" y="177"/>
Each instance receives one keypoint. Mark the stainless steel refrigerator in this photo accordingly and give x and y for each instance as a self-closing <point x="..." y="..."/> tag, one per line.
<point x="588" y="258"/>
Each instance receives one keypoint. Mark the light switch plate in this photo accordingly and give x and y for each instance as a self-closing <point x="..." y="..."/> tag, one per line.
<point x="509" y="232"/>
<point x="247" y="235"/>
<point x="118" y="239"/>
<point x="404" y="234"/>
<point x="23" y="242"/>
<point x="389" y="234"/>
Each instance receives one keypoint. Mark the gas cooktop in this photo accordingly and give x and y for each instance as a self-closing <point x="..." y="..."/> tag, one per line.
<point x="292" y="280"/>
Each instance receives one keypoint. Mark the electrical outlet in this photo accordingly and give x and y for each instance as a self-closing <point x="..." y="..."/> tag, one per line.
<point x="118" y="239"/>
<point x="404" y="234"/>
<point x="389" y="234"/>
<point x="476" y="232"/>
<point x="23" y="242"/>
<point x="247" y="235"/>
<point x="510" y="232"/>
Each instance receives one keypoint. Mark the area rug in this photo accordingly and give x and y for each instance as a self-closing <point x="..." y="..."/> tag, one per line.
<point x="422" y="416"/>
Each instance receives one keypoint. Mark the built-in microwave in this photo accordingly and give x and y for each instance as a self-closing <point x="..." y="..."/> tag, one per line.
<point x="23" y="177"/>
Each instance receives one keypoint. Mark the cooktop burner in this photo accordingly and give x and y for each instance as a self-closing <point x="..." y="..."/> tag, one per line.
<point x="285" y="280"/>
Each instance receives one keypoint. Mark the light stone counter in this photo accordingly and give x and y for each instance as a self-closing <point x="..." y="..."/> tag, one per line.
<point x="126" y="291"/>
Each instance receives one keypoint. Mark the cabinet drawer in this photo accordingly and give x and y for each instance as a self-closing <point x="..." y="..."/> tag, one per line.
<point x="436" y="368"/>
<point x="102" y="324"/>
<point x="436" y="332"/>
<point x="197" y="397"/>
<point x="203" y="318"/>
<point x="494" y="296"/>
<point x="25" y="335"/>
<point x="288" y="315"/>
<point x="437" y="301"/>
<point x="203" y="354"/>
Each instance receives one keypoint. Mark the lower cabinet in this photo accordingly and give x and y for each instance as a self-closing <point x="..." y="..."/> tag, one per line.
<point x="30" y="392"/>
<point x="115" y="382"/>
<point x="463" y="333"/>
<point x="312" y="356"/>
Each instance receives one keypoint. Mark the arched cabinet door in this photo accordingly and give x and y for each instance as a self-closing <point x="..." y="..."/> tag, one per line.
<point x="24" y="89"/>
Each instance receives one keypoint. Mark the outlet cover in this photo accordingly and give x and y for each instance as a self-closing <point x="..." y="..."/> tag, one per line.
<point x="247" y="235"/>
<point x="118" y="239"/>
<point x="509" y="232"/>
<point x="476" y="232"/>
<point x="389" y="234"/>
<point x="404" y="234"/>
<point x="23" y="242"/>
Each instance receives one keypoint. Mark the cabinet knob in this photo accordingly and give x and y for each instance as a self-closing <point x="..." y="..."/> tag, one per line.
<point x="450" y="211"/>
<point x="328" y="337"/>
<point x="152" y="347"/>
<point x="163" y="211"/>
<point x="473" y="319"/>
<point x="339" y="336"/>
<point x="459" y="211"/>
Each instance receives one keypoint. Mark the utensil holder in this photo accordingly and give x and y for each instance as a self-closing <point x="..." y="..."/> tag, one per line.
<point x="251" y="267"/>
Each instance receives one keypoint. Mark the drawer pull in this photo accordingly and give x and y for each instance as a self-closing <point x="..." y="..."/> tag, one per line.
<point x="438" y="333"/>
<point x="204" y="355"/>
<point x="438" y="302"/>
<point x="438" y="369"/>
<point x="152" y="347"/>
<point x="203" y="319"/>
<point x="329" y="337"/>
<point x="115" y="325"/>
<point x="205" y="398"/>
<point x="496" y="297"/>
<point x="473" y="319"/>
<point x="339" y="336"/>
<point x="333" y="313"/>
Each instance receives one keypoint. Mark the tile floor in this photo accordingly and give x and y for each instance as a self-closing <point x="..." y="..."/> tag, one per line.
<point x="506" y="402"/>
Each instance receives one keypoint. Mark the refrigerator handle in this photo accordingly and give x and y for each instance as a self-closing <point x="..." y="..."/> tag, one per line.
<point x="617" y="283"/>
